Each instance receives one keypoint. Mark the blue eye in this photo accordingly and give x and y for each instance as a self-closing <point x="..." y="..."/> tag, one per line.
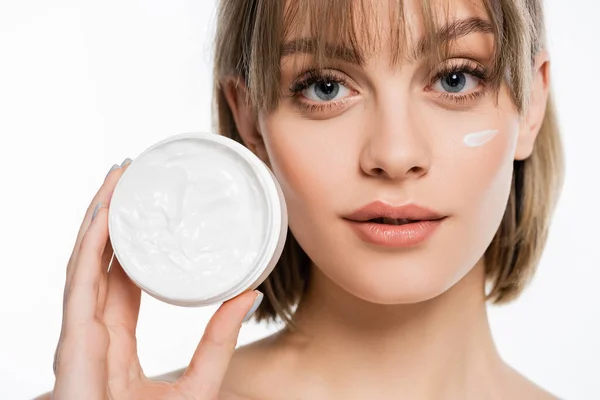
<point x="325" y="90"/>
<point x="456" y="82"/>
<point x="320" y="86"/>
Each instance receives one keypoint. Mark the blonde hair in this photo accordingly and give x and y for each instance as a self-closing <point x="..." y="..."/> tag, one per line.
<point x="248" y="45"/>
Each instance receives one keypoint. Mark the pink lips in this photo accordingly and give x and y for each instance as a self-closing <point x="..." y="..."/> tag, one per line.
<point x="402" y="226"/>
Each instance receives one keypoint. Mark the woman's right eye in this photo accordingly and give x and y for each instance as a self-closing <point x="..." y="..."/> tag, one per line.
<point x="325" y="90"/>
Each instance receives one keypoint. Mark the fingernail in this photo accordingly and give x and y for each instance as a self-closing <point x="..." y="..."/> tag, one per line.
<point x="126" y="161"/>
<point x="96" y="210"/>
<point x="257" y="302"/>
<point x="111" y="170"/>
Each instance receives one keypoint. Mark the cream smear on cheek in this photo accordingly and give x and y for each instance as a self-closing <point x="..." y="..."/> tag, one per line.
<point x="477" y="139"/>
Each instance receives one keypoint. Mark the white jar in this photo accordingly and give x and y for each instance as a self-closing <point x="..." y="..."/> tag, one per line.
<point x="197" y="219"/>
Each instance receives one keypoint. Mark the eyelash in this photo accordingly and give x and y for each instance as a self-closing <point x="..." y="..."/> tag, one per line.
<point x="313" y="76"/>
<point x="463" y="66"/>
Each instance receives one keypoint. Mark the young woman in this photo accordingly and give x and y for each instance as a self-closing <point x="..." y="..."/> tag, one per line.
<point x="416" y="146"/>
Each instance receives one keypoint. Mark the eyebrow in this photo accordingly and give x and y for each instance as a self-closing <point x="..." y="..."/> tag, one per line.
<point x="447" y="33"/>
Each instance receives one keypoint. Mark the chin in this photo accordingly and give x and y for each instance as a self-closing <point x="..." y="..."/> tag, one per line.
<point x="397" y="281"/>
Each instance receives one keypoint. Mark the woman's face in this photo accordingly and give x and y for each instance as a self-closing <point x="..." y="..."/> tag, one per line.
<point x="372" y="133"/>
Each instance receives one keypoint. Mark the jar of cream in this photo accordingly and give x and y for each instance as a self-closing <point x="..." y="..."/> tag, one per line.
<point x="197" y="219"/>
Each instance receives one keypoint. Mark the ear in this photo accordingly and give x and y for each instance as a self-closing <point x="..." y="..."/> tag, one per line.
<point x="244" y="115"/>
<point x="532" y="121"/>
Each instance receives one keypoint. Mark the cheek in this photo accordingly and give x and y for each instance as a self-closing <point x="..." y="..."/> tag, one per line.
<point x="312" y="160"/>
<point x="485" y="170"/>
<point x="477" y="173"/>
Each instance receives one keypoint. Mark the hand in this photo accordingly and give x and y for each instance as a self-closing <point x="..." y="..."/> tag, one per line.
<point x="96" y="356"/>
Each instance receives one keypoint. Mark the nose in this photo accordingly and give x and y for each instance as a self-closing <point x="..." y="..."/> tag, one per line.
<point x="395" y="146"/>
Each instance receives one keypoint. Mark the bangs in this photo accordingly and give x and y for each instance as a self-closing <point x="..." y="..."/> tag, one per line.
<point x="353" y="27"/>
<point x="354" y="31"/>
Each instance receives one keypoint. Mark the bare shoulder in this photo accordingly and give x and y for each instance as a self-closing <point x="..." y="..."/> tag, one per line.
<point x="538" y="393"/>
<point x="255" y="371"/>
<point x="522" y="387"/>
<point x="247" y="369"/>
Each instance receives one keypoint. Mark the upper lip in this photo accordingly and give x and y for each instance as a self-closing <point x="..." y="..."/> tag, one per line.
<point x="379" y="209"/>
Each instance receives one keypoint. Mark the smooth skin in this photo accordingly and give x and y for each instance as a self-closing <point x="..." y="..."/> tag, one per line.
<point x="96" y="357"/>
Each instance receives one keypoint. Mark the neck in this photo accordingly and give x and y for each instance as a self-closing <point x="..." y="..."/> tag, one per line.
<point x="439" y="348"/>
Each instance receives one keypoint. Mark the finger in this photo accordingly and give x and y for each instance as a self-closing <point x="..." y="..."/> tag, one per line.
<point x="120" y="316"/>
<point x="83" y="292"/>
<point x="83" y="352"/>
<point x="99" y="197"/>
<point x="105" y="260"/>
<point x="103" y="196"/>
<point x="209" y="363"/>
<point x="107" y="257"/>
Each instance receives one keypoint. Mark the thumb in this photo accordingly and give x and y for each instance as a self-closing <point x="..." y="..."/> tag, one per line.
<point x="209" y="363"/>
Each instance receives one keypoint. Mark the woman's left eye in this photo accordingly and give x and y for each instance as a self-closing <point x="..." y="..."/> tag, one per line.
<point x="456" y="82"/>
<point x="325" y="90"/>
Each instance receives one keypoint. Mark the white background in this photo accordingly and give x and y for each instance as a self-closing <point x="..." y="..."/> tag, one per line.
<point x="84" y="84"/>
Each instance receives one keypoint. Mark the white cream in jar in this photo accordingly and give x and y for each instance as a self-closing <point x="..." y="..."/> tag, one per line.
<point x="197" y="219"/>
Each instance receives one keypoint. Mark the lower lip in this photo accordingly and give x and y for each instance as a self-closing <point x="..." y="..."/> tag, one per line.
<point x="407" y="235"/>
